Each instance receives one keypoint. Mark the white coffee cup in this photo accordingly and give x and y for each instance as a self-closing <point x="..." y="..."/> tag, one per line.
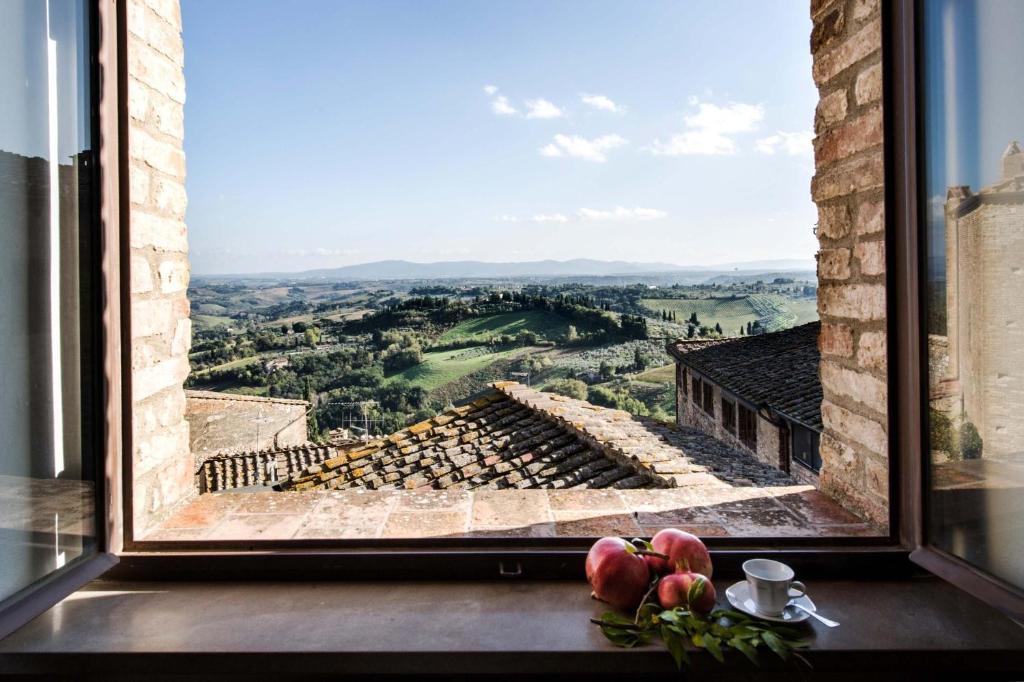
<point x="771" y="585"/>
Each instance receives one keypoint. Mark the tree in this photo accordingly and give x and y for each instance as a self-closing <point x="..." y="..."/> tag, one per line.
<point x="718" y="328"/>
<point x="693" y="319"/>
<point x="606" y="370"/>
<point x="571" y="334"/>
<point x="312" y="426"/>
<point x="690" y="331"/>
<point x="570" y="388"/>
<point x="639" y="362"/>
<point x="742" y="330"/>
<point x="298" y="327"/>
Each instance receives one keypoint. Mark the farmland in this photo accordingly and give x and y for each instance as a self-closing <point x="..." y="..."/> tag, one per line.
<point x="383" y="354"/>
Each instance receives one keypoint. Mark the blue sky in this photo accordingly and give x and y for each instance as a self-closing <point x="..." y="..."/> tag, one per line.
<point x="330" y="133"/>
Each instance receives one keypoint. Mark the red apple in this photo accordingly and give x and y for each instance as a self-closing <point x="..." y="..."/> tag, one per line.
<point x="682" y="548"/>
<point x="617" y="574"/>
<point x="690" y="590"/>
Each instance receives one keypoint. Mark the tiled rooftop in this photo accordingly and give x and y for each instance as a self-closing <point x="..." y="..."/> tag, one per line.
<point x="515" y="462"/>
<point x="779" y="369"/>
<point x="513" y="436"/>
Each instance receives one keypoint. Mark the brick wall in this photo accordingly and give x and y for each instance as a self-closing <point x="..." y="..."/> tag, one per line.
<point x="160" y="326"/>
<point x="848" y="190"/>
<point x="221" y="423"/>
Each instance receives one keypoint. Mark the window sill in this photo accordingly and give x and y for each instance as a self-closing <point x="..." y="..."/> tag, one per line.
<point x="276" y="629"/>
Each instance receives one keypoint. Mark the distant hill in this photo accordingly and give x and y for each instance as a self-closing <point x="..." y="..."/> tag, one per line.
<point x="580" y="267"/>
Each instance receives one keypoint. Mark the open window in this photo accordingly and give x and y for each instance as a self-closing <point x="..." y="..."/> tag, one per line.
<point x="52" y="512"/>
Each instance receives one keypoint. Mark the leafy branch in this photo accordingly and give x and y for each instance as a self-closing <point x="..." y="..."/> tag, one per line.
<point x="682" y="630"/>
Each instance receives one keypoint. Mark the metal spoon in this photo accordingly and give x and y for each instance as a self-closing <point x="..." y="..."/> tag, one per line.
<point x="823" y="619"/>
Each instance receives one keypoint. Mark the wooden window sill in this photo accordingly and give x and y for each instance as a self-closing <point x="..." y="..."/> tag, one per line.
<point x="279" y="629"/>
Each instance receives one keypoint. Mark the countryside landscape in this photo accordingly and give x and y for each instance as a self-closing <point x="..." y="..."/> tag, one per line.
<point x="378" y="346"/>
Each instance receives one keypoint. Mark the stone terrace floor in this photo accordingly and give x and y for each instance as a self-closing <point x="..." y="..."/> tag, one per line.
<point x="705" y="509"/>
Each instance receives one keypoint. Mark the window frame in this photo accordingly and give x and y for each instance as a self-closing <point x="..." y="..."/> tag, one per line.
<point x="102" y="339"/>
<point x="889" y="556"/>
<point x="909" y="197"/>
<point x="731" y="426"/>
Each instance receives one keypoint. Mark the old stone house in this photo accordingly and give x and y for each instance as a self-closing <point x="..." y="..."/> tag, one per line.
<point x="760" y="394"/>
<point x="980" y="359"/>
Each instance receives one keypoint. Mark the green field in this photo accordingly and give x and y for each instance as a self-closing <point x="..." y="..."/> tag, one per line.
<point x="666" y="374"/>
<point x="440" y="367"/>
<point x="774" y="311"/>
<point x="201" y="321"/>
<point x="728" y="312"/>
<point x="546" y="324"/>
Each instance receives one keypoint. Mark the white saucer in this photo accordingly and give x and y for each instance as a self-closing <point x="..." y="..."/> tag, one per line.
<point x="739" y="596"/>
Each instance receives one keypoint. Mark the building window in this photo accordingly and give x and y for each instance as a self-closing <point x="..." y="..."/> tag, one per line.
<point x="729" y="415"/>
<point x="748" y="427"/>
<point x="709" y="398"/>
<point x="696" y="393"/>
<point x="805" y="447"/>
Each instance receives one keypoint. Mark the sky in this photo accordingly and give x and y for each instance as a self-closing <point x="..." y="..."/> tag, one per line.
<point x="328" y="133"/>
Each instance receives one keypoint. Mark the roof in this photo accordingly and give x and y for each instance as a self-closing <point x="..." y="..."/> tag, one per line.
<point x="245" y="469"/>
<point x="240" y="398"/>
<point x="779" y="370"/>
<point x="513" y="436"/>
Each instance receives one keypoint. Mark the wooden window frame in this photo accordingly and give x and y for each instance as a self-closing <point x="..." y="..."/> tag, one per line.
<point x="707" y="402"/>
<point x="729" y="427"/>
<point x="696" y="389"/>
<point x="476" y="558"/>
<point x="741" y="432"/>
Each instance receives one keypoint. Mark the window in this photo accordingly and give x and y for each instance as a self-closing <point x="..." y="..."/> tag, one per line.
<point x="974" y="220"/>
<point x="805" y="447"/>
<point x="366" y="310"/>
<point x="729" y="415"/>
<point x="50" y="403"/>
<point x="748" y="427"/>
<point x="708" y="403"/>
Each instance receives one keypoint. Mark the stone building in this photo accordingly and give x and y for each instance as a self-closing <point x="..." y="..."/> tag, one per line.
<point x="224" y="423"/>
<point x="983" y="371"/>
<point x="760" y="394"/>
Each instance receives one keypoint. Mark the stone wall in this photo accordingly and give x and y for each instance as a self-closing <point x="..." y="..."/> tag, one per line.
<point x="848" y="190"/>
<point x="161" y="334"/>
<point x="689" y="413"/>
<point x="221" y="423"/>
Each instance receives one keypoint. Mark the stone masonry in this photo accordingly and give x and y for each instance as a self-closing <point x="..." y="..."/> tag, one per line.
<point x="162" y="471"/>
<point x="846" y="44"/>
<point x="223" y="423"/>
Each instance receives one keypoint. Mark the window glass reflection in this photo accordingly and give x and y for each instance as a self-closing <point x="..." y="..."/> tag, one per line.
<point x="974" y="122"/>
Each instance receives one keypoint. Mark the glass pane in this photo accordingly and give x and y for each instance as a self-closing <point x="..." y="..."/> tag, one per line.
<point x="46" y="478"/>
<point x="975" y="260"/>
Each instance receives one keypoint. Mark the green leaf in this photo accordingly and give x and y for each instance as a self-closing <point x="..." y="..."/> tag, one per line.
<point x="675" y="647"/>
<point x="616" y="618"/>
<point x="697" y="589"/>
<point x="714" y="648"/>
<point x="744" y="648"/>
<point x="776" y="644"/>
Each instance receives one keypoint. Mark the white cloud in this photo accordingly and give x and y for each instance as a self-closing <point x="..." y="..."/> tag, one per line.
<point x="501" y="106"/>
<point x="582" y="148"/>
<point x="552" y="218"/>
<point x="711" y="129"/>
<point x="491" y="89"/>
<point x="601" y="102"/>
<point x="541" y="108"/>
<point x="621" y="214"/>
<point x="793" y="144"/>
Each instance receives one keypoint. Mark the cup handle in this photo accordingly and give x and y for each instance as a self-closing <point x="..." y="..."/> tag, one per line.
<point x="799" y="588"/>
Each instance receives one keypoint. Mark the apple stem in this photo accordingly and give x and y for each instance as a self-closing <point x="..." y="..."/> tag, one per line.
<point x="651" y="552"/>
